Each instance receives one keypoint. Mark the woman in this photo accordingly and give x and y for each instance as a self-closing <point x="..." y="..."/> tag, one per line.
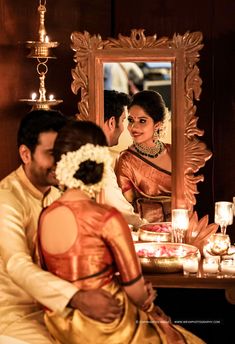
<point x="144" y="169"/>
<point x="88" y="243"/>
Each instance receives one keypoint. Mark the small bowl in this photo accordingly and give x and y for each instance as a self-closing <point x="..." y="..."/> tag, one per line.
<point x="164" y="258"/>
<point x="157" y="231"/>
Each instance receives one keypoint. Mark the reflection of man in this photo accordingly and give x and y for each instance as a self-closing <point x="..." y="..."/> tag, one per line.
<point x="115" y="107"/>
<point x="24" y="285"/>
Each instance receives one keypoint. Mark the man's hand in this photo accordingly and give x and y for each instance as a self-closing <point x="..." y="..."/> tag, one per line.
<point x="97" y="304"/>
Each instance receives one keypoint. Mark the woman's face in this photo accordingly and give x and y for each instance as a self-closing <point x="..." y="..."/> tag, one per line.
<point x="141" y="126"/>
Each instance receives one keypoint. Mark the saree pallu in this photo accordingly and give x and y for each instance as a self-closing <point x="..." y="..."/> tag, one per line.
<point x="134" y="327"/>
<point x="150" y="183"/>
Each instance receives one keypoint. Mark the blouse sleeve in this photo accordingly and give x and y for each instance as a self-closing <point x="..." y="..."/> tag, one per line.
<point x="124" y="173"/>
<point x="118" y="237"/>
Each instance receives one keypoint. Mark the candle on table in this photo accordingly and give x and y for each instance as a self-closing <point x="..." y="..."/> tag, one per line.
<point x="190" y="266"/>
<point x="210" y="265"/>
<point x="180" y="223"/>
<point x="227" y="267"/>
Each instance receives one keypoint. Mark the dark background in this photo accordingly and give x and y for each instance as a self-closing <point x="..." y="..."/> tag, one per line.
<point x="216" y="108"/>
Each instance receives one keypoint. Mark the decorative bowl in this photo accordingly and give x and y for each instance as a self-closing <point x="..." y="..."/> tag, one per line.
<point x="157" y="231"/>
<point x="164" y="257"/>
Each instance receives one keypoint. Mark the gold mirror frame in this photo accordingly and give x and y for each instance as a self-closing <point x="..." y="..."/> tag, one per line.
<point x="188" y="153"/>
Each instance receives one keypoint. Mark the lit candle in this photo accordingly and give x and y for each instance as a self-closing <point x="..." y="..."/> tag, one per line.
<point x="51" y="97"/>
<point x="210" y="265"/>
<point x="227" y="267"/>
<point x="180" y="223"/>
<point x="190" y="266"/>
<point x="46" y="39"/>
<point x="219" y="243"/>
<point x="224" y="214"/>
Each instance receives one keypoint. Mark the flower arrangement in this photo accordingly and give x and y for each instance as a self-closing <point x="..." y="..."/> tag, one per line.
<point x="70" y="162"/>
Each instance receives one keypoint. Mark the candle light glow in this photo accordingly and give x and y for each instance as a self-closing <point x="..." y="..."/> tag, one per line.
<point x="34" y="96"/>
<point x="180" y="223"/>
<point x="210" y="265"/>
<point x="190" y="266"/>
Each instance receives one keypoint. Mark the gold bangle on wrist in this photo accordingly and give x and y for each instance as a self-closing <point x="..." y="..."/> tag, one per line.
<point x="151" y="307"/>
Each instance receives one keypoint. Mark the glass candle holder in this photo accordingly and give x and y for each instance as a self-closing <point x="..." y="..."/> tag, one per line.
<point x="210" y="266"/>
<point x="180" y="223"/>
<point x="223" y="215"/>
<point x="227" y="267"/>
<point x="219" y="244"/>
<point x="190" y="266"/>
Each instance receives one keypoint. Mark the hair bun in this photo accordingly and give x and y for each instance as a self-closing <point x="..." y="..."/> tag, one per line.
<point x="89" y="172"/>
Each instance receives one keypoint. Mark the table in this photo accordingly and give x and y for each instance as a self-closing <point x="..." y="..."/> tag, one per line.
<point x="178" y="280"/>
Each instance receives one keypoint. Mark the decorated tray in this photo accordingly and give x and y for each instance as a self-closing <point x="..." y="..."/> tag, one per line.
<point x="157" y="231"/>
<point x="164" y="257"/>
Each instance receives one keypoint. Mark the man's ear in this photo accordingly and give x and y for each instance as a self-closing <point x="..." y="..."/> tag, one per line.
<point x="111" y="123"/>
<point x="25" y="154"/>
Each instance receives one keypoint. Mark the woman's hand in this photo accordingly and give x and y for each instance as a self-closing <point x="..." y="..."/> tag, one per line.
<point x="151" y="296"/>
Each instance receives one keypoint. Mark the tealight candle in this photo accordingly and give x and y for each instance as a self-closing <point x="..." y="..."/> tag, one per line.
<point x="190" y="266"/>
<point x="227" y="267"/>
<point x="210" y="265"/>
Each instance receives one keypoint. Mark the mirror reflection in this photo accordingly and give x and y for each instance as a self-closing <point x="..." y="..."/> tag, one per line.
<point x="143" y="168"/>
<point x="132" y="77"/>
<point x="92" y="52"/>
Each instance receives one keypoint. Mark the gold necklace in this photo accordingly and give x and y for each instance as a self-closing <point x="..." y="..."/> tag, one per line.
<point x="151" y="152"/>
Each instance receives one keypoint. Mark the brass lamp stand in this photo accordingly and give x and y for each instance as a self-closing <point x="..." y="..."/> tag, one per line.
<point x="41" y="50"/>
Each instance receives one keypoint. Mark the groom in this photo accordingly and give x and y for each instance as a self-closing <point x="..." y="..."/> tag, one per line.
<point x="25" y="288"/>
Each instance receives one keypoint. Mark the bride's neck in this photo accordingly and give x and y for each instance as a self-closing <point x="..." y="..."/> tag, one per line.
<point x="74" y="194"/>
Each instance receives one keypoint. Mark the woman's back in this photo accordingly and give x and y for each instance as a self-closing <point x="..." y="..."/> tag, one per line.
<point x="84" y="246"/>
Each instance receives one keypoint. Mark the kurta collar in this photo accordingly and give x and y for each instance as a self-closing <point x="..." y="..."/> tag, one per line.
<point x="31" y="188"/>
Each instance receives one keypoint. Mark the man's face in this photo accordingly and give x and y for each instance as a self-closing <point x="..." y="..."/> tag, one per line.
<point x="40" y="168"/>
<point x="114" y="137"/>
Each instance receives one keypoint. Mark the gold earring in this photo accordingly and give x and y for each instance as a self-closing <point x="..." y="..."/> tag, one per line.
<point x="155" y="135"/>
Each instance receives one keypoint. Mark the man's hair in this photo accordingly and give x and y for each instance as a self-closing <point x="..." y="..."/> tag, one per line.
<point x="114" y="103"/>
<point x="37" y="122"/>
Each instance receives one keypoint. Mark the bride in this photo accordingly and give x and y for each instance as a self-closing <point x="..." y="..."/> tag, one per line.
<point x="90" y="245"/>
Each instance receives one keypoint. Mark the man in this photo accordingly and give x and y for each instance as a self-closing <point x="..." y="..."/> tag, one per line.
<point x="115" y="110"/>
<point x="23" y="284"/>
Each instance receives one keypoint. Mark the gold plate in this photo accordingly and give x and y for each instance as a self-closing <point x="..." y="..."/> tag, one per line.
<point x="146" y="234"/>
<point x="164" y="257"/>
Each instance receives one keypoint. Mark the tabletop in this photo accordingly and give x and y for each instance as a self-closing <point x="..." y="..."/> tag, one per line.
<point x="200" y="280"/>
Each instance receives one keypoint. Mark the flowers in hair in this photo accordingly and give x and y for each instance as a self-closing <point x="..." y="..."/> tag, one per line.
<point x="70" y="162"/>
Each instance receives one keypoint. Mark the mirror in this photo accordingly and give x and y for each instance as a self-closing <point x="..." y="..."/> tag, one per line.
<point x="189" y="154"/>
<point x="131" y="77"/>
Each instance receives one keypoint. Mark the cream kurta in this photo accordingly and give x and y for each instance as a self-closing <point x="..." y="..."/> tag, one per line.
<point x="23" y="285"/>
<point x="113" y="196"/>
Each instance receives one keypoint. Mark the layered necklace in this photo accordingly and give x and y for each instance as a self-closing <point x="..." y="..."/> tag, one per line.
<point x="151" y="152"/>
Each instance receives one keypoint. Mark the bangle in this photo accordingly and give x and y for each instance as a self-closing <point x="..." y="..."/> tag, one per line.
<point x="151" y="307"/>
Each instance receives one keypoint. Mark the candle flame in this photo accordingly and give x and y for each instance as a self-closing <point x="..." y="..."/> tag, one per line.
<point x="34" y="96"/>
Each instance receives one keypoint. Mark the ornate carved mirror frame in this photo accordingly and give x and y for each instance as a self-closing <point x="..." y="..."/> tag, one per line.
<point x="91" y="52"/>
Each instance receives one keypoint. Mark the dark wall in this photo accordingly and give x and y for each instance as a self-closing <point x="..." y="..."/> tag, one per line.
<point x="216" y="109"/>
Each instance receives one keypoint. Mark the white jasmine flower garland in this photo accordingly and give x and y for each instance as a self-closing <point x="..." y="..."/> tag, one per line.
<point x="70" y="162"/>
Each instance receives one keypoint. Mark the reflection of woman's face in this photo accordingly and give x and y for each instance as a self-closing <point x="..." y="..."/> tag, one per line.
<point x="141" y="125"/>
